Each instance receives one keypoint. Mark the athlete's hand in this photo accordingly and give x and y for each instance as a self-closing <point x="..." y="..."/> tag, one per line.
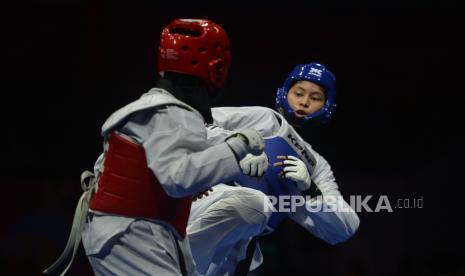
<point x="201" y="194"/>
<point x="254" y="165"/>
<point x="246" y="141"/>
<point x="296" y="170"/>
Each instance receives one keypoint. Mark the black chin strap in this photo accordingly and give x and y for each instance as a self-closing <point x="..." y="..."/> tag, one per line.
<point x="299" y="122"/>
<point x="190" y="90"/>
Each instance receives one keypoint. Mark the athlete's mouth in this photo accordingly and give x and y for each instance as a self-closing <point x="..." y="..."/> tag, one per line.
<point x="300" y="113"/>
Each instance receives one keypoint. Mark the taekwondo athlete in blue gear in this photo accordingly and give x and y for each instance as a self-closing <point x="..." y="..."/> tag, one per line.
<point x="281" y="139"/>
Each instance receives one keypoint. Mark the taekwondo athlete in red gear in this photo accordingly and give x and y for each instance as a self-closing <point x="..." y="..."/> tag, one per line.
<point x="156" y="157"/>
<point x="306" y="98"/>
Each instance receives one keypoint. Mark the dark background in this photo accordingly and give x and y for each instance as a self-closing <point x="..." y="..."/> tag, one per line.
<point x="398" y="130"/>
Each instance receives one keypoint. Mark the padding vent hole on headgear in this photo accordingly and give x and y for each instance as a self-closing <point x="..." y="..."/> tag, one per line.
<point x="194" y="62"/>
<point x="203" y="49"/>
<point x="183" y="31"/>
<point x="217" y="45"/>
<point x="185" y="47"/>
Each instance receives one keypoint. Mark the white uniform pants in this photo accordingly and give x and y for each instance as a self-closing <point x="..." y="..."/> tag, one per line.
<point x="222" y="224"/>
<point x="126" y="246"/>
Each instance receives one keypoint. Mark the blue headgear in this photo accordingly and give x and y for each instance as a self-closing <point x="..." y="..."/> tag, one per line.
<point x="316" y="73"/>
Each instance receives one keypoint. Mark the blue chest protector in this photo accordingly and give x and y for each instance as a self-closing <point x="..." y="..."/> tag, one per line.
<point x="272" y="183"/>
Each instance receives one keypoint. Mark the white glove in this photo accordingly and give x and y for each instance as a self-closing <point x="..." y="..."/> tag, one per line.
<point x="246" y="141"/>
<point x="296" y="170"/>
<point x="254" y="165"/>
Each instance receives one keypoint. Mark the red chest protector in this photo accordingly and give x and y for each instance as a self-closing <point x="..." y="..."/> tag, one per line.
<point x="128" y="187"/>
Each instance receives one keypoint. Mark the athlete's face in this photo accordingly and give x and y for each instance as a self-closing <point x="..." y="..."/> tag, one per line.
<point x="305" y="97"/>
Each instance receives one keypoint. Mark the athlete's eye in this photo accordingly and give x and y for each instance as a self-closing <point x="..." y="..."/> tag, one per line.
<point x="298" y="93"/>
<point x="315" y="96"/>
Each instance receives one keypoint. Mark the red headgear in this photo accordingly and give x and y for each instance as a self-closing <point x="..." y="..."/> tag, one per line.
<point x="196" y="47"/>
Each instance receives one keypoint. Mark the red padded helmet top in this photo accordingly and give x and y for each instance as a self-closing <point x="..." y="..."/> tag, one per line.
<point x="197" y="47"/>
